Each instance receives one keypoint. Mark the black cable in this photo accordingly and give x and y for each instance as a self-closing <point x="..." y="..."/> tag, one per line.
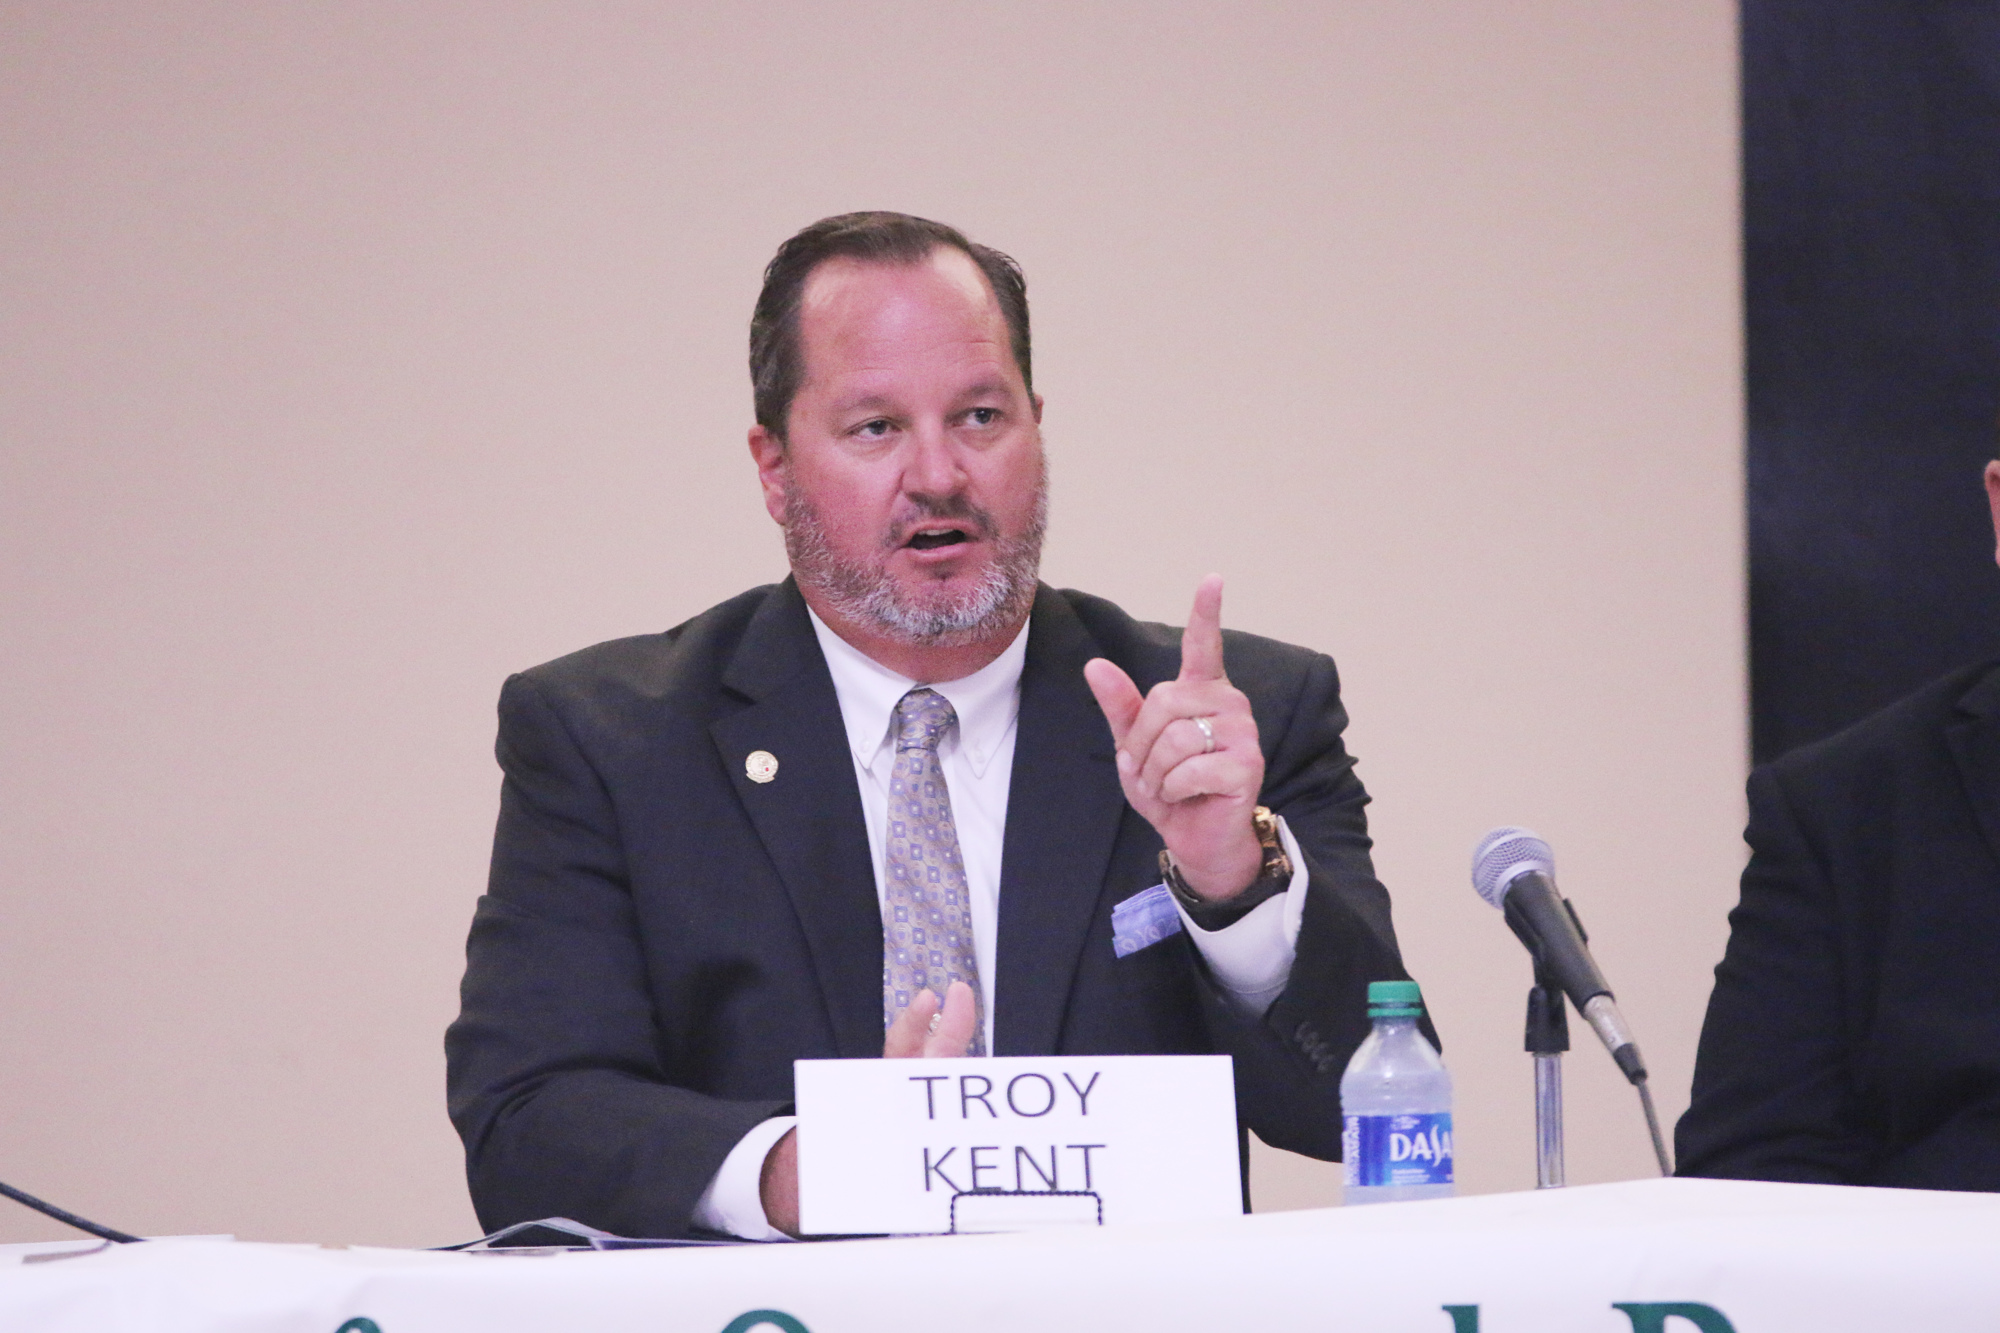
<point x="64" y="1216"/>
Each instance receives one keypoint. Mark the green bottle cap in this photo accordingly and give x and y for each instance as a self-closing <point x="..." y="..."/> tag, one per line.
<point x="1394" y="999"/>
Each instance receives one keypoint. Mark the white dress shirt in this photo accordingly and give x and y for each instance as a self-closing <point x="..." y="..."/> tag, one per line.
<point x="1251" y="959"/>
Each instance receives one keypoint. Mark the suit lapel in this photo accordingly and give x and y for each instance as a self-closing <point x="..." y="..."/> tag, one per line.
<point x="1063" y="810"/>
<point x="1975" y="744"/>
<point x="808" y="815"/>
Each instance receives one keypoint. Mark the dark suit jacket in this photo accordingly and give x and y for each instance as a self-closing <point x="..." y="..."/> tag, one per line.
<point x="662" y="937"/>
<point x="1854" y="1032"/>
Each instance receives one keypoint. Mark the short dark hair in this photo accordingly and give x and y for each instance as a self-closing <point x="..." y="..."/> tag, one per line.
<point x="776" y="365"/>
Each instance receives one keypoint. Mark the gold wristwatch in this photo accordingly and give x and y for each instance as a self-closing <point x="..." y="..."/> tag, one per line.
<point x="1273" y="878"/>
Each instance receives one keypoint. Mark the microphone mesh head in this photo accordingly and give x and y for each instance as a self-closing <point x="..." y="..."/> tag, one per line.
<point x="1505" y="854"/>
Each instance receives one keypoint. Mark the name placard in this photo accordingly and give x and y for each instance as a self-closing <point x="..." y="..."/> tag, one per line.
<point x="1014" y="1143"/>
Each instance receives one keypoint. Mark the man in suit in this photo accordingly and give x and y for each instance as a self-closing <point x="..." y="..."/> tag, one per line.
<point x="888" y="806"/>
<point x="1853" y="1036"/>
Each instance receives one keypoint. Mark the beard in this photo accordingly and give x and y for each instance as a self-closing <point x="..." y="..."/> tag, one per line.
<point x="938" y="615"/>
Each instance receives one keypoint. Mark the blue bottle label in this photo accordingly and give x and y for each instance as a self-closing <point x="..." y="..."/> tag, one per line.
<point x="1397" y="1149"/>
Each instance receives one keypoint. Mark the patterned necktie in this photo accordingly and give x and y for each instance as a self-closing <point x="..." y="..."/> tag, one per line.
<point x="926" y="912"/>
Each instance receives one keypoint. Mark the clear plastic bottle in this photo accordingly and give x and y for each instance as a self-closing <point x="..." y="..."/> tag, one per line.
<point x="1395" y="1106"/>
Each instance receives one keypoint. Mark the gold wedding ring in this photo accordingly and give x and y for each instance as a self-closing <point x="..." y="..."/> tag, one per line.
<point x="1207" y="734"/>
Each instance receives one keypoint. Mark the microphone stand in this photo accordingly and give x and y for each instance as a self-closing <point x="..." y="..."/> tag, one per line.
<point x="1547" y="1039"/>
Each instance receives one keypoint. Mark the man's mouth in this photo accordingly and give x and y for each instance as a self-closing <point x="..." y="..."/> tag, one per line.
<point x="931" y="541"/>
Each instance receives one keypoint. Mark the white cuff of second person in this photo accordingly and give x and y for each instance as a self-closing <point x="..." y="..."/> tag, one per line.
<point x="1251" y="959"/>
<point x="733" y="1203"/>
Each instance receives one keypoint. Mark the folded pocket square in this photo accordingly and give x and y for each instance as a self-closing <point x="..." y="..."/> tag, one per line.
<point x="1146" y="918"/>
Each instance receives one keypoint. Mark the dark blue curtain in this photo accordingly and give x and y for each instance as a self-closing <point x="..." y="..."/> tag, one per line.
<point x="1871" y="142"/>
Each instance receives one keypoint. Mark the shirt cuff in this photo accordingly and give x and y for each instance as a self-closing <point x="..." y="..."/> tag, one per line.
<point x="1252" y="958"/>
<point x="733" y="1203"/>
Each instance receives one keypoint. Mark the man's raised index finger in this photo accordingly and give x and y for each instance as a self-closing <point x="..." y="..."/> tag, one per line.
<point x="1201" y="644"/>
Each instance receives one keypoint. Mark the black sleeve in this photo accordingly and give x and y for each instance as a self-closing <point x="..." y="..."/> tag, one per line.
<point x="554" y="1074"/>
<point x="1773" y="1091"/>
<point x="1289" y="1063"/>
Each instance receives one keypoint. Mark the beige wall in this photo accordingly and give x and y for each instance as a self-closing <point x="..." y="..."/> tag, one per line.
<point x="357" y="354"/>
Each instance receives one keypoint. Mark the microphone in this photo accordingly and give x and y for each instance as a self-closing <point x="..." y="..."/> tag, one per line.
<point x="1515" y="871"/>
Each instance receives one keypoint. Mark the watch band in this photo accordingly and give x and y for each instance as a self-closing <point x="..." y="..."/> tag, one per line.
<point x="1273" y="878"/>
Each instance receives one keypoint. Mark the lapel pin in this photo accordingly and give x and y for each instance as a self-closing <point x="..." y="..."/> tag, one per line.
<point x="761" y="766"/>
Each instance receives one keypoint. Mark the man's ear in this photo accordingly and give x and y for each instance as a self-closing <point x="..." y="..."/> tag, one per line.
<point x="769" y="452"/>
<point x="1993" y="503"/>
<point x="1038" y="409"/>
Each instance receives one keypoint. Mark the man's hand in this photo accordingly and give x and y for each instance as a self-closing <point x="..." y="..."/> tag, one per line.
<point x="779" y="1184"/>
<point x="1199" y="798"/>
<point x="912" y="1035"/>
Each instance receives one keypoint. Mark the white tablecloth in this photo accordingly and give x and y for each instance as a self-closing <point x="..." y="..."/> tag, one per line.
<point x="1749" y="1257"/>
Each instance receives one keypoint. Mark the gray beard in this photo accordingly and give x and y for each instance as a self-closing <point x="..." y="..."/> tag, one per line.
<point x="864" y="593"/>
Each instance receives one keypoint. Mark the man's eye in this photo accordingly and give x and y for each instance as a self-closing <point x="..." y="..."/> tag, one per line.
<point x="983" y="416"/>
<point x="873" y="430"/>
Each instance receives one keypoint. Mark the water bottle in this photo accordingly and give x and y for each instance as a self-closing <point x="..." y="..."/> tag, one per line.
<point x="1395" y="1105"/>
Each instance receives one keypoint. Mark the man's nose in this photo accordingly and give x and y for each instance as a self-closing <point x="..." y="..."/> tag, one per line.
<point x="933" y="467"/>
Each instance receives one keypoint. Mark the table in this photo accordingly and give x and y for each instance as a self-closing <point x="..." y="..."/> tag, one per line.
<point x="1657" y="1256"/>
